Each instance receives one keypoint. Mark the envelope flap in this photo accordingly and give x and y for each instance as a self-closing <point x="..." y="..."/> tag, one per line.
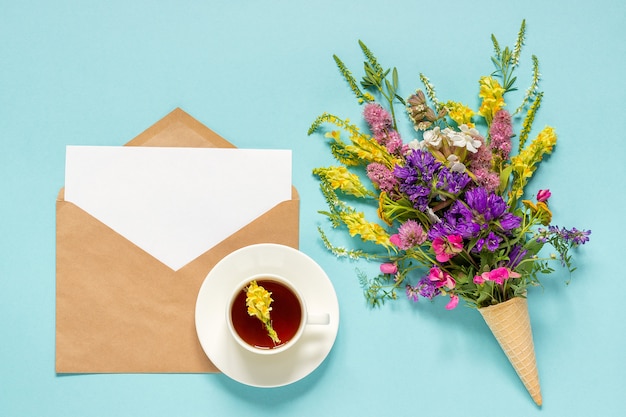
<point x="178" y="128"/>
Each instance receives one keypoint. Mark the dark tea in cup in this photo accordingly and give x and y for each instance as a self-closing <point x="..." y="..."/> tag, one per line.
<point x="287" y="316"/>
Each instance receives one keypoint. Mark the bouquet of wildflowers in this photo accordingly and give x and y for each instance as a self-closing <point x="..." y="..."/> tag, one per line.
<point x="451" y="204"/>
<point x="453" y="219"/>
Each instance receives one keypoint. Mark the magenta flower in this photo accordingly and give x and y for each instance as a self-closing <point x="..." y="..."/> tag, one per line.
<point x="395" y="240"/>
<point x="543" y="195"/>
<point x="447" y="248"/>
<point x="441" y="278"/>
<point x="498" y="275"/>
<point x="454" y="301"/>
<point x="388" y="268"/>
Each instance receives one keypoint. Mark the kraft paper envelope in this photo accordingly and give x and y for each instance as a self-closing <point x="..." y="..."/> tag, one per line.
<point x="120" y="310"/>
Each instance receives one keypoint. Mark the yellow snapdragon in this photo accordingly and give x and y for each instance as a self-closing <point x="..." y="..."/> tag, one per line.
<point x="525" y="164"/>
<point x="258" y="302"/>
<point x="369" y="231"/>
<point x="340" y="178"/>
<point x="492" y="94"/>
<point x="460" y="113"/>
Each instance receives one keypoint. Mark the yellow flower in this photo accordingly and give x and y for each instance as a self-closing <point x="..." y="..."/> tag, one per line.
<point x="533" y="154"/>
<point x="381" y="211"/>
<point x="369" y="150"/>
<point x="525" y="164"/>
<point x="258" y="301"/>
<point x="541" y="210"/>
<point x="334" y="134"/>
<point x="340" y="178"/>
<point x="460" y="113"/>
<point x="492" y="94"/>
<point x="369" y="231"/>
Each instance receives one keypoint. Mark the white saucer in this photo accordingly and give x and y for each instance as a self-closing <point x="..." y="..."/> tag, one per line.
<point x="266" y="370"/>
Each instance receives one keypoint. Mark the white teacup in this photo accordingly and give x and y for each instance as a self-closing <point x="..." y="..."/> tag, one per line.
<point x="289" y="316"/>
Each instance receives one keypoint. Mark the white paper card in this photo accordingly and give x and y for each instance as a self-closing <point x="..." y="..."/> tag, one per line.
<point x="176" y="203"/>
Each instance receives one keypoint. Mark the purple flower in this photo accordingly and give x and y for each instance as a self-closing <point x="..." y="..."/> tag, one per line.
<point x="491" y="242"/>
<point x="579" y="237"/>
<point x="458" y="220"/>
<point x="574" y="236"/>
<point x="427" y="288"/>
<point x="516" y="255"/>
<point x="509" y="221"/>
<point x="491" y="207"/>
<point x="420" y="165"/>
<point x="423" y="176"/>
<point x="476" y="218"/>
<point x="452" y="182"/>
<point x="412" y="292"/>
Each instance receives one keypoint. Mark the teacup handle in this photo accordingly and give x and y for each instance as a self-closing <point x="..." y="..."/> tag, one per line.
<point x="319" y="318"/>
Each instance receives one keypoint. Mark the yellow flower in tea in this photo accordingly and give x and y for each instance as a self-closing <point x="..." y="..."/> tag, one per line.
<point x="258" y="301"/>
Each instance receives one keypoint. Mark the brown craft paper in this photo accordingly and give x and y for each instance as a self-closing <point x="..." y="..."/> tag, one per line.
<point x="121" y="310"/>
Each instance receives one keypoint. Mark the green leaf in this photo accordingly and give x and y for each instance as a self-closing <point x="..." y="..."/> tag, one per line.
<point x="394" y="77"/>
<point x="392" y="91"/>
<point x="505" y="175"/>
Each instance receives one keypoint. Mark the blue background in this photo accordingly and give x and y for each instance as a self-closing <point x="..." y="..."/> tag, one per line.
<point x="258" y="73"/>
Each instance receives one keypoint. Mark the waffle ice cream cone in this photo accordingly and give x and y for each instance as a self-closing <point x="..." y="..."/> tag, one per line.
<point x="510" y="324"/>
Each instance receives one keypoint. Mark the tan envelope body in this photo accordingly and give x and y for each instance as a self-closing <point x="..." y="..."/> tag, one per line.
<point x="120" y="310"/>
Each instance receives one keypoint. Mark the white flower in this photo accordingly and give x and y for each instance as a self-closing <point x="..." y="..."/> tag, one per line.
<point x="415" y="145"/>
<point x="455" y="164"/>
<point x="432" y="216"/>
<point x="433" y="138"/>
<point x="466" y="138"/>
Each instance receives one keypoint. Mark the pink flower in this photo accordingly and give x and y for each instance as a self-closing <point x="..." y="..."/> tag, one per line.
<point x="395" y="240"/>
<point x="410" y="234"/>
<point x="501" y="131"/>
<point x="377" y="118"/>
<point x="441" y="278"/>
<point x="388" y="268"/>
<point x="543" y="195"/>
<point x="394" y="142"/>
<point x="487" y="179"/>
<point x="381" y="176"/>
<point x="498" y="275"/>
<point x="454" y="301"/>
<point x="478" y="279"/>
<point x="445" y="249"/>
